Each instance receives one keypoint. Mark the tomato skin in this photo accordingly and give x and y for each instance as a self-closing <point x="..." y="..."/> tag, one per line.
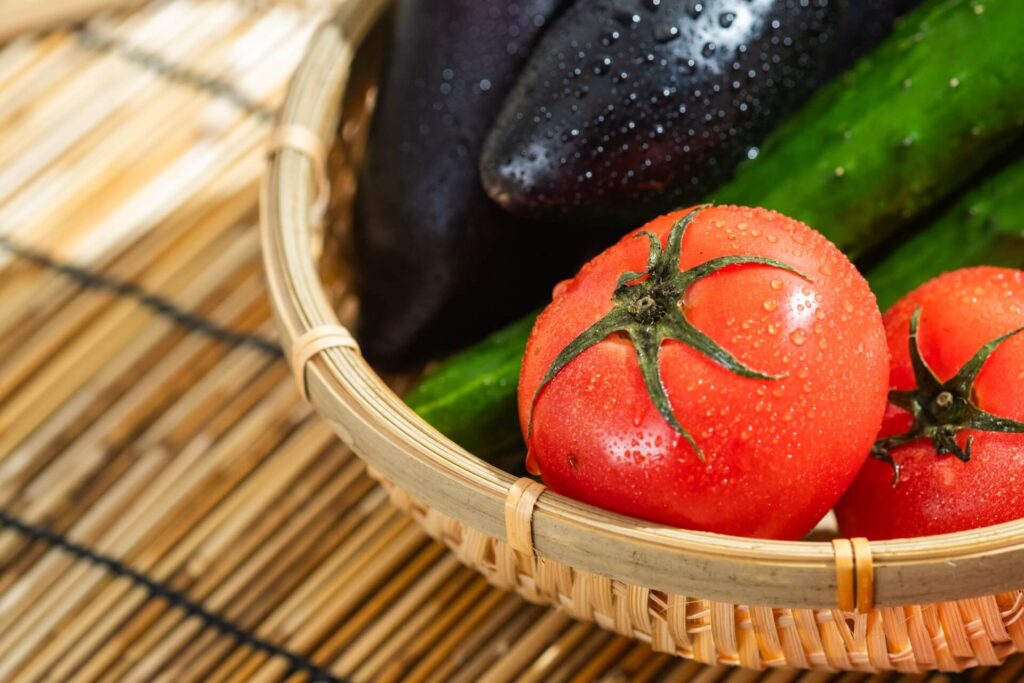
<point x="960" y="312"/>
<point x="779" y="453"/>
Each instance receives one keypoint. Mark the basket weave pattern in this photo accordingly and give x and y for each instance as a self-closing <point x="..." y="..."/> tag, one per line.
<point x="948" y="636"/>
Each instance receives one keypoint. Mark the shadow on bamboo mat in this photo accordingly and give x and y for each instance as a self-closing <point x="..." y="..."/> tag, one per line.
<point x="168" y="506"/>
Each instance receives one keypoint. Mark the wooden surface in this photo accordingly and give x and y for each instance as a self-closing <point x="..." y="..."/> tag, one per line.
<point x="169" y="508"/>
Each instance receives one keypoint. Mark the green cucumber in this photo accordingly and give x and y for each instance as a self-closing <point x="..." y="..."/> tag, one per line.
<point x="471" y="397"/>
<point x="985" y="227"/>
<point x="904" y="127"/>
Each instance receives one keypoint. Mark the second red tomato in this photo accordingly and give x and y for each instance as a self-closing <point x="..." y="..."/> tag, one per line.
<point x="961" y="457"/>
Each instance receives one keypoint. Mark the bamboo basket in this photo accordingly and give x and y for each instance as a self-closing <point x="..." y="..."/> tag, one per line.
<point x="942" y="602"/>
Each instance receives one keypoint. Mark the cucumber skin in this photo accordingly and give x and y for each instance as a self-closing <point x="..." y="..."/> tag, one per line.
<point x="986" y="227"/>
<point x="471" y="397"/>
<point x="901" y="129"/>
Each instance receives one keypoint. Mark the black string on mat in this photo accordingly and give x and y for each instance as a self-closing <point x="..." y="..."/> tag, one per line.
<point x="158" y="64"/>
<point x="158" y="589"/>
<point x="158" y="304"/>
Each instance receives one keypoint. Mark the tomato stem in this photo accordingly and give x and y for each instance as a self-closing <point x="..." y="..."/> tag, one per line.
<point x="941" y="410"/>
<point x="647" y="307"/>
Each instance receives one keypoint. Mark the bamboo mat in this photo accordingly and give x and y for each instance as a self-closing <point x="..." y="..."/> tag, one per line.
<point x="170" y="510"/>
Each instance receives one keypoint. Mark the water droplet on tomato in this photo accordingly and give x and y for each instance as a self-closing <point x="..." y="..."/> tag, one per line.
<point x="798" y="337"/>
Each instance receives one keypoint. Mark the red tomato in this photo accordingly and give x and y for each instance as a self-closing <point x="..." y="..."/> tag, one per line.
<point x="960" y="312"/>
<point x="777" y="452"/>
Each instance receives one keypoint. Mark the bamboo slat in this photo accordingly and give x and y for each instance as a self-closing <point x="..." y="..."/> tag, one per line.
<point x="21" y="16"/>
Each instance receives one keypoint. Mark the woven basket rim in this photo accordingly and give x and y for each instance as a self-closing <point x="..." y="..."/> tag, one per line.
<point x="366" y="414"/>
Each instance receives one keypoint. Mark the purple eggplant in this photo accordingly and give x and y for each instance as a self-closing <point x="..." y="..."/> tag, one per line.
<point x="438" y="263"/>
<point x="629" y="108"/>
<point x="866" y="23"/>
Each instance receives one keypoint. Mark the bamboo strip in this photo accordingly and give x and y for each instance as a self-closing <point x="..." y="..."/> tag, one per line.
<point x="603" y="659"/>
<point x="594" y="641"/>
<point x="21" y="16"/>
<point x="541" y="667"/>
<point x="424" y="644"/>
<point x="357" y="625"/>
<point x="471" y="629"/>
<point x="526" y="647"/>
<point x="651" y="667"/>
<point x="684" y="672"/>
<point x="415" y="612"/>
<point x="503" y="629"/>
<point x="782" y="675"/>
<point x="31" y="69"/>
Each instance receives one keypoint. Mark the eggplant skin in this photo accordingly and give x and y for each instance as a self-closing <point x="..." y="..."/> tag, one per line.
<point x="866" y="23"/>
<point x="438" y="264"/>
<point x="629" y="108"/>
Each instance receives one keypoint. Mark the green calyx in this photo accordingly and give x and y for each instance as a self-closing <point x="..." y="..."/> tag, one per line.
<point x="649" y="308"/>
<point x="942" y="409"/>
